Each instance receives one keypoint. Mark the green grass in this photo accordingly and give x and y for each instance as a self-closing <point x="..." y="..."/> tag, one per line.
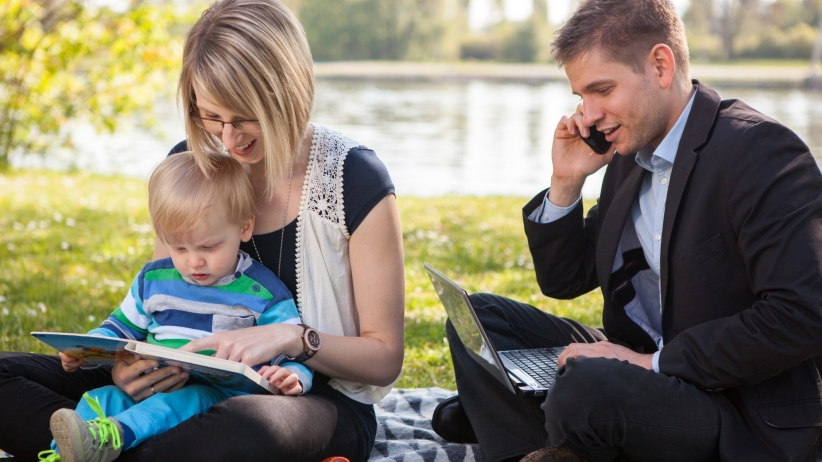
<point x="70" y="245"/>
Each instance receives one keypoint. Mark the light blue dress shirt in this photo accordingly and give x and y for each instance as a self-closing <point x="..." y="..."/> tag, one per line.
<point x="647" y="214"/>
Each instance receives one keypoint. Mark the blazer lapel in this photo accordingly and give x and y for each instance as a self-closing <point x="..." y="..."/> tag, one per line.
<point x="699" y="124"/>
<point x="614" y="222"/>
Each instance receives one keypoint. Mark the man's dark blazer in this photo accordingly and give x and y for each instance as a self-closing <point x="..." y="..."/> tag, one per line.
<point x="741" y="273"/>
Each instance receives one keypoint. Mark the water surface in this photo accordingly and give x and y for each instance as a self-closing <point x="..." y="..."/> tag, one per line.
<point x="467" y="138"/>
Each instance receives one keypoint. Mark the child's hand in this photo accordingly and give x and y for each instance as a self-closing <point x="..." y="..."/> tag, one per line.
<point x="283" y="379"/>
<point x="71" y="364"/>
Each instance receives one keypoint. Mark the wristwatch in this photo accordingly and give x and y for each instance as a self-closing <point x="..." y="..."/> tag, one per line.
<point x="311" y="343"/>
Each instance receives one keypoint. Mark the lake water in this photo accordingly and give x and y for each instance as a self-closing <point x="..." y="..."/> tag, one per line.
<point x="466" y="138"/>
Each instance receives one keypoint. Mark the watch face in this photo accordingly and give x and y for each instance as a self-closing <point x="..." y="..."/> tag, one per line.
<point x="313" y="339"/>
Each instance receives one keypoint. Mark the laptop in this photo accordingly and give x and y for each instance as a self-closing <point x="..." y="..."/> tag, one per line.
<point x="527" y="371"/>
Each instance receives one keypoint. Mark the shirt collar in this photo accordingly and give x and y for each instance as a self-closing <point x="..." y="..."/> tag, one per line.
<point x="666" y="151"/>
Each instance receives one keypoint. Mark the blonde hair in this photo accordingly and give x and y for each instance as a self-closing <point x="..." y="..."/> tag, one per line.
<point x="181" y="196"/>
<point x="252" y="58"/>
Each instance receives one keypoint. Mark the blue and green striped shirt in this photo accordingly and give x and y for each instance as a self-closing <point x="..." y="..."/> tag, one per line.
<point x="163" y="308"/>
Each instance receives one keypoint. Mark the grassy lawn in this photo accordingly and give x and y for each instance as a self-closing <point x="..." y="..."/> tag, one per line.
<point x="70" y="244"/>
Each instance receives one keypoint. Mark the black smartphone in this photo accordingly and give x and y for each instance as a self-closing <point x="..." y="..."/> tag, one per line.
<point x="597" y="140"/>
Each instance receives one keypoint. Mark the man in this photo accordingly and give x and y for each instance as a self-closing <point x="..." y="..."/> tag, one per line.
<point x="707" y="245"/>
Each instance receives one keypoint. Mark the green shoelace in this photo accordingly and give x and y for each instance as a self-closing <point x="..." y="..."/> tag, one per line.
<point x="48" y="456"/>
<point x="105" y="430"/>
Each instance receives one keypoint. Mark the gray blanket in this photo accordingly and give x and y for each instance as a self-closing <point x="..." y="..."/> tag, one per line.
<point x="404" y="430"/>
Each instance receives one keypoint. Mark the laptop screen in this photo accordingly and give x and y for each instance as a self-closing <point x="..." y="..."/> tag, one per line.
<point x="456" y="303"/>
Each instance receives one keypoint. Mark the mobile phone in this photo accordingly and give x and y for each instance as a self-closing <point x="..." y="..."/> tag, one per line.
<point x="597" y="140"/>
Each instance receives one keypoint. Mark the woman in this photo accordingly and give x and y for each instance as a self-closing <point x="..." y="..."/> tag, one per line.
<point x="327" y="225"/>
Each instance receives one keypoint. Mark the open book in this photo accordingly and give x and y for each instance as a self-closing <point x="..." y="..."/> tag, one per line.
<point x="205" y="369"/>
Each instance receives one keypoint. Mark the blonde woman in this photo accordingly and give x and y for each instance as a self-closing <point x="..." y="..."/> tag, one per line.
<point x="327" y="225"/>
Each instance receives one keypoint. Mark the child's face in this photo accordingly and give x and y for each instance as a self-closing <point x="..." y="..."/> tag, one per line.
<point x="209" y="252"/>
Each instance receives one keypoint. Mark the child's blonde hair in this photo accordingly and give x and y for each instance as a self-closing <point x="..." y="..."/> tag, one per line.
<point x="181" y="196"/>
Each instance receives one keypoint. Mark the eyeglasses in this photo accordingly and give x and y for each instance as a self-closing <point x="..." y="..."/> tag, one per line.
<point x="217" y="125"/>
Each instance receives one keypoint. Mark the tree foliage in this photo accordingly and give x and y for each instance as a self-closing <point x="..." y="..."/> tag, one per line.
<point x="62" y="59"/>
<point x="420" y="30"/>
<point x="521" y="41"/>
<point x="383" y="29"/>
<point x="730" y="29"/>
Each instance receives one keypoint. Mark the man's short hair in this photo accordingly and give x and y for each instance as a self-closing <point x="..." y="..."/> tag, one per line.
<point x="181" y="196"/>
<point x="625" y="30"/>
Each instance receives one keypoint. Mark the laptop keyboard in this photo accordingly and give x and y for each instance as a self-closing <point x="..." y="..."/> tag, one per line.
<point x="540" y="364"/>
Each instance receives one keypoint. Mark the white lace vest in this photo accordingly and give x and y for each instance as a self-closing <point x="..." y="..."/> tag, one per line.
<point x="325" y="291"/>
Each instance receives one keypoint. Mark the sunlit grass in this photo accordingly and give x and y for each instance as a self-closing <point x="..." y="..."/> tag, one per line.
<point x="70" y="245"/>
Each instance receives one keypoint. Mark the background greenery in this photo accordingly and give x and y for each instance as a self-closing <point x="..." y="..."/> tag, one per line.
<point x="70" y="245"/>
<point x="80" y="59"/>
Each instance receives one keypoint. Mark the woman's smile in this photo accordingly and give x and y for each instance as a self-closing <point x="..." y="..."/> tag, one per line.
<point x="245" y="149"/>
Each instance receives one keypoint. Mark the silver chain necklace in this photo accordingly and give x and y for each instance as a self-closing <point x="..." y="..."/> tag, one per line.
<point x="282" y="231"/>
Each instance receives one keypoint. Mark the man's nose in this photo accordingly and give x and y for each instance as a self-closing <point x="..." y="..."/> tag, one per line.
<point x="592" y="114"/>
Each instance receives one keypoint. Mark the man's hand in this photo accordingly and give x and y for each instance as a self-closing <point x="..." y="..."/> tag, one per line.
<point x="605" y="349"/>
<point x="572" y="159"/>
<point x="283" y="379"/>
<point x="71" y="364"/>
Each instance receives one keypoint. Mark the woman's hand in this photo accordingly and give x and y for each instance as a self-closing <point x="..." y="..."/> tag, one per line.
<point x="141" y="378"/>
<point x="252" y="345"/>
<point x="71" y="364"/>
<point x="284" y="380"/>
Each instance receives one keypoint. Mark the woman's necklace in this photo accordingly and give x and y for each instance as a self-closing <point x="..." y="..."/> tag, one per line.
<point x="282" y="231"/>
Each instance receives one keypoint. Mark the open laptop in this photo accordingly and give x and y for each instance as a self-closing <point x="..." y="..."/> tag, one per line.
<point x="528" y="371"/>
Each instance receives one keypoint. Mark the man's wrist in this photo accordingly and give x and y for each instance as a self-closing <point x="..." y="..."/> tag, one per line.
<point x="564" y="192"/>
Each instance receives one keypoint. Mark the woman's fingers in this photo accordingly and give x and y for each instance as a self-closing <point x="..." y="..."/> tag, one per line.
<point x="251" y="345"/>
<point x="138" y="378"/>
<point x="163" y="380"/>
<point x="206" y="343"/>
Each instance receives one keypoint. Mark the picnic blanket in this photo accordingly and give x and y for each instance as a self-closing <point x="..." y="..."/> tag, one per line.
<point x="404" y="431"/>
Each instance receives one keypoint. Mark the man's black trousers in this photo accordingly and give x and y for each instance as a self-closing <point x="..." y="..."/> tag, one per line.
<point x="601" y="408"/>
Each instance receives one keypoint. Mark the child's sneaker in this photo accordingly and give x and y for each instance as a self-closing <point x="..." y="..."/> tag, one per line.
<point x="78" y="440"/>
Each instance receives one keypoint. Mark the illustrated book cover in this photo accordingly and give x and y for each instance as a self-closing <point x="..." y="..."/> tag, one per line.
<point x="204" y="369"/>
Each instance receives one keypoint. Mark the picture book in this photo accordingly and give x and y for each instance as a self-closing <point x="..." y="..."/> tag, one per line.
<point x="204" y="369"/>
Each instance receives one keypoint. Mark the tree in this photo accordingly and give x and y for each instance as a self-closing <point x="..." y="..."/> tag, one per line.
<point x="61" y="59"/>
<point x="383" y="29"/>
<point x="734" y="16"/>
<point x="698" y="21"/>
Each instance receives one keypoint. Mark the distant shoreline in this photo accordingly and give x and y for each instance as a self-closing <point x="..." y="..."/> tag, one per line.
<point x="792" y="75"/>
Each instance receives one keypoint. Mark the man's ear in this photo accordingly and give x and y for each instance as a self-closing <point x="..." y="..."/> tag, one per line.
<point x="247" y="228"/>
<point x="661" y="59"/>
